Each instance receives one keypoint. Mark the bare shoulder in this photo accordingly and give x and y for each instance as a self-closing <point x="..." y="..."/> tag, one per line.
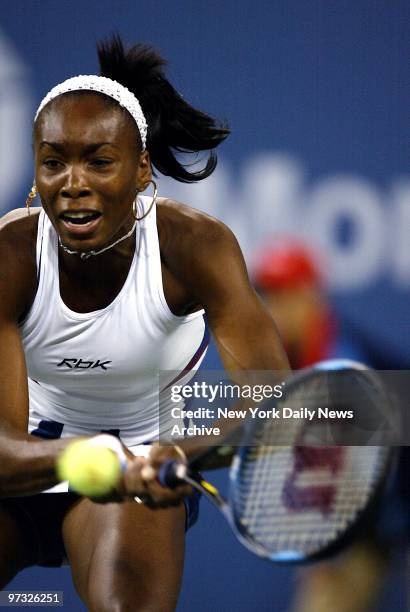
<point x="200" y="251"/>
<point x="184" y="226"/>
<point x="17" y="214"/>
<point x="18" y="231"/>
<point x="18" y="275"/>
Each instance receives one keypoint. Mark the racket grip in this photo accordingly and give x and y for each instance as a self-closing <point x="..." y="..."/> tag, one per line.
<point x="171" y="474"/>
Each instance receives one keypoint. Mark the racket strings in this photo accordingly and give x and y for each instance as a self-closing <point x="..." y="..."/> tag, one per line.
<point x="298" y="499"/>
<point x="269" y="520"/>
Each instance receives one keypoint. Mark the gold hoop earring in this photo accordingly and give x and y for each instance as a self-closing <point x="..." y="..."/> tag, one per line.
<point x="154" y="199"/>
<point x="31" y="196"/>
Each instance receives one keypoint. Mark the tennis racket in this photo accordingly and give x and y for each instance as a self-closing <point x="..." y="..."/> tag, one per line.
<point x="295" y="493"/>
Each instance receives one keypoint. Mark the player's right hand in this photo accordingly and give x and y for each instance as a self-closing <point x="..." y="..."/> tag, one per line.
<point x="141" y="482"/>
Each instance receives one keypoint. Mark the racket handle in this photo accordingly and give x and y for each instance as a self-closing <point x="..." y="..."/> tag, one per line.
<point x="171" y="473"/>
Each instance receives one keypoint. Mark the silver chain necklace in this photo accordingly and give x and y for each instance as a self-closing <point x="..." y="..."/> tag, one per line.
<point x="87" y="254"/>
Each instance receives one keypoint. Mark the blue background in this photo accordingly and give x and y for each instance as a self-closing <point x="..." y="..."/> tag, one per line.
<point x="317" y="96"/>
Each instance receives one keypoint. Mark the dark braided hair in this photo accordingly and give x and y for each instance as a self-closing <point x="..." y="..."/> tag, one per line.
<point x="173" y="124"/>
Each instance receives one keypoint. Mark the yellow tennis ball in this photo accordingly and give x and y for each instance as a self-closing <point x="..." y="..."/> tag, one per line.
<point x="91" y="470"/>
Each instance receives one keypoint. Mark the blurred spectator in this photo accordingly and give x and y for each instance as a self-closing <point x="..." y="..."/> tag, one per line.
<point x="288" y="278"/>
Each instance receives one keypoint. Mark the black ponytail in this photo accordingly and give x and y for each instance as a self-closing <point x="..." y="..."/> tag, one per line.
<point x="173" y="125"/>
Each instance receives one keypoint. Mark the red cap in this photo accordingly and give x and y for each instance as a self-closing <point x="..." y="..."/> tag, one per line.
<point x="287" y="264"/>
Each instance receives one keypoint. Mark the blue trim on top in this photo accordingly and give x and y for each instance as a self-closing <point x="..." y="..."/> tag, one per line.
<point x="197" y="355"/>
<point x="49" y="430"/>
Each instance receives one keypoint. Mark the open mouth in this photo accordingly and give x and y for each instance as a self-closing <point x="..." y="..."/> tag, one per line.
<point x="79" y="217"/>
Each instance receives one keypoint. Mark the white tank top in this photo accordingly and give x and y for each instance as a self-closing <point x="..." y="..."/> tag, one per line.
<point x="98" y="371"/>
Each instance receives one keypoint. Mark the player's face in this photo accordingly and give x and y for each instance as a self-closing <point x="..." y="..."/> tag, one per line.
<point x="88" y="169"/>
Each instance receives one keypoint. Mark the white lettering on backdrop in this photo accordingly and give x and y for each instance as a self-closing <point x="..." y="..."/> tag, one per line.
<point x="272" y="197"/>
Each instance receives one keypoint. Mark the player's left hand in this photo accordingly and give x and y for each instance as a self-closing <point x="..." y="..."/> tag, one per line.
<point x="141" y="478"/>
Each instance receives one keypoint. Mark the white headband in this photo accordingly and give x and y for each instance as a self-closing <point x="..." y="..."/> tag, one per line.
<point x="118" y="92"/>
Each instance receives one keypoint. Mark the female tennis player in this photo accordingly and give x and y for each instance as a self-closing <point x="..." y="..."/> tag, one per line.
<point x="100" y="289"/>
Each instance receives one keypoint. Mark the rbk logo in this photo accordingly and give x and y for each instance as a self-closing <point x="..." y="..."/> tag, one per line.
<point x="82" y="364"/>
